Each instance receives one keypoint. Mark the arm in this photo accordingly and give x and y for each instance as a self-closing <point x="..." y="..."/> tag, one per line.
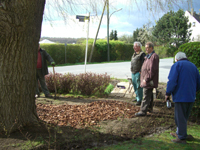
<point x="142" y="58"/>
<point x="198" y="81"/>
<point x="153" y="68"/>
<point x="48" y="57"/>
<point x="173" y="79"/>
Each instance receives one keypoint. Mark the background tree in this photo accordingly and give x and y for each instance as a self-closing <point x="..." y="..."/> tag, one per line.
<point x="172" y="29"/>
<point x="115" y="35"/>
<point x="20" y="28"/>
<point x="112" y="35"/>
<point x="135" y="35"/>
<point x="126" y="39"/>
<point x="144" y="35"/>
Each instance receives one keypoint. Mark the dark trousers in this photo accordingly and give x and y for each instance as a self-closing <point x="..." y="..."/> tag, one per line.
<point x="41" y="79"/>
<point x="181" y="114"/>
<point x="147" y="101"/>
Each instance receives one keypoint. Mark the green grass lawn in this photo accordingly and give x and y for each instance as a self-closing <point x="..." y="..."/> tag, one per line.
<point x="160" y="142"/>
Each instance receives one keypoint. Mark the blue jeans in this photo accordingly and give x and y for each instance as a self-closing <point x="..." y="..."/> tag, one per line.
<point x="136" y="85"/>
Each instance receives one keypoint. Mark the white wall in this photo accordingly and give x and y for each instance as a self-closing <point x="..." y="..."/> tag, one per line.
<point x="195" y="29"/>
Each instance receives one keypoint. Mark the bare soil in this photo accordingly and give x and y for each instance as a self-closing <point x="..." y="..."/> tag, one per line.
<point x="69" y="123"/>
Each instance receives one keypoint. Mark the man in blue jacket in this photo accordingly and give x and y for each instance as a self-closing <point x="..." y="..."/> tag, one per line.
<point x="184" y="82"/>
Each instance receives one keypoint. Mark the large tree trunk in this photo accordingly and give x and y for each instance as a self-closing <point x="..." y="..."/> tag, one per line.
<point x="20" y="28"/>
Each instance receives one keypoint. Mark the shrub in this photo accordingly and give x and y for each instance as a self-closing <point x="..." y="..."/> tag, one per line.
<point x="109" y="89"/>
<point x="50" y="81"/>
<point x="90" y="83"/>
<point x="75" y="53"/>
<point x="196" y="107"/>
<point x="192" y="51"/>
<point x="161" y="51"/>
<point x="85" y="84"/>
<point x="67" y="83"/>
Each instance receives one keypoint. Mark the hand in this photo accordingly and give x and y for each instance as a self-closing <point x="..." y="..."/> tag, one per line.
<point x="144" y="82"/>
<point x="53" y="63"/>
<point x="166" y="97"/>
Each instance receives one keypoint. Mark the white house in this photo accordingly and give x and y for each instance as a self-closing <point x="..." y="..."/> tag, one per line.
<point x="194" y="19"/>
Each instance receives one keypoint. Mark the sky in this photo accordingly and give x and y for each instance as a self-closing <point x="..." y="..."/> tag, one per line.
<point x="125" y="21"/>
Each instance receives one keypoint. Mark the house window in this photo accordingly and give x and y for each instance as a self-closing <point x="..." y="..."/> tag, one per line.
<point x="193" y="24"/>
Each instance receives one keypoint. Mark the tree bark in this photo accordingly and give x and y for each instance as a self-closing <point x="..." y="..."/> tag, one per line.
<point x="20" y="29"/>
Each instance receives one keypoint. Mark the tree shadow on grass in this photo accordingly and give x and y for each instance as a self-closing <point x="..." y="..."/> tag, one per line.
<point x="44" y="136"/>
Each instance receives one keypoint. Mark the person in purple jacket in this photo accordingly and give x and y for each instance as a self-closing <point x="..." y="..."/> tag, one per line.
<point x="183" y="83"/>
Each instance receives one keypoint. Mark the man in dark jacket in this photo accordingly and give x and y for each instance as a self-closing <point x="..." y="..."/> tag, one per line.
<point x="42" y="70"/>
<point x="148" y="79"/>
<point x="136" y="64"/>
<point x="184" y="82"/>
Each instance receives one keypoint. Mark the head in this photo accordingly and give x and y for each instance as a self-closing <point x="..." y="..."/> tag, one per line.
<point x="137" y="46"/>
<point x="149" y="47"/>
<point x="180" y="55"/>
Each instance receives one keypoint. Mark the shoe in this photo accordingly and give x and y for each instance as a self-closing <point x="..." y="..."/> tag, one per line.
<point x="177" y="140"/>
<point x="48" y="96"/>
<point x="37" y="95"/>
<point x="134" y="100"/>
<point x="138" y="114"/>
<point x="138" y="103"/>
<point x="188" y="138"/>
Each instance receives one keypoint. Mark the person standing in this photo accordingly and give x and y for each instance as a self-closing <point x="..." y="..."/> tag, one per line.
<point x="183" y="83"/>
<point x="148" y="79"/>
<point x="42" y="70"/>
<point x="136" y="64"/>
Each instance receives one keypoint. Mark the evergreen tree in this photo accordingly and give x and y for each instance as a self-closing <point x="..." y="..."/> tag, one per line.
<point x="135" y="35"/>
<point x="173" y="29"/>
<point x="115" y="35"/>
<point x="112" y="35"/>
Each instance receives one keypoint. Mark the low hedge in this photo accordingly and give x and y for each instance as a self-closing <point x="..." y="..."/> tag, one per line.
<point x="75" y="53"/>
<point x="192" y="51"/>
<point x="85" y="84"/>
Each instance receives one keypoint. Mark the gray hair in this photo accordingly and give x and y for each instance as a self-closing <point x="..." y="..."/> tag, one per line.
<point x="138" y="44"/>
<point x="180" y="55"/>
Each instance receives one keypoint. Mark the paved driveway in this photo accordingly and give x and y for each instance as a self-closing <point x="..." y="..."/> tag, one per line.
<point x="117" y="70"/>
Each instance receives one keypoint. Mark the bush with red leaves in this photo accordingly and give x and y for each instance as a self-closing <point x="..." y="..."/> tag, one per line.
<point x="67" y="83"/>
<point x="50" y="81"/>
<point x="85" y="84"/>
<point x="91" y="83"/>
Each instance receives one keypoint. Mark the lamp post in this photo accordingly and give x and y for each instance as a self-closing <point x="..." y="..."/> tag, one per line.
<point x="115" y="11"/>
<point x="108" y="18"/>
<point x="108" y="30"/>
<point x="82" y="19"/>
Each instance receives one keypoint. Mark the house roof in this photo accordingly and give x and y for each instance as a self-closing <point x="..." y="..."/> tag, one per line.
<point x="46" y="41"/>
<point x="195" y="15"/>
